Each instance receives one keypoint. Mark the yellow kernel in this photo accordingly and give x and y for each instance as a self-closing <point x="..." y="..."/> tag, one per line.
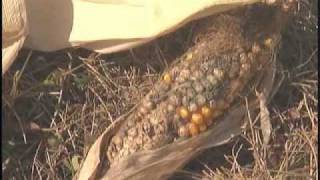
<point x="197" y="119"/>
<point x="183" y="131"/>
<point x="268" y="42"/>
<point x="193" y="129"/>
<point x="167" y="78"/>
<point x="202" y="127"/>
<point x="189" y="56"/>
<point x="206" y="112"/>
<point x="218" y="73"/>
<point x="183" y="112"/>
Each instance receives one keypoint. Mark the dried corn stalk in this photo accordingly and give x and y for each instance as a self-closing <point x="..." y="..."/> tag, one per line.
<point x="198" y="103"/>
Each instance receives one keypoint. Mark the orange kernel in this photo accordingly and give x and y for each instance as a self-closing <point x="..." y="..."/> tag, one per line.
<point x="193" y="129"/>
<point x="197" y="119"/>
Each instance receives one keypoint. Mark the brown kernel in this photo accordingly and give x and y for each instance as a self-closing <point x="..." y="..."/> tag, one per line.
<point x="183" y="131"/>
<point x="193" y="107"/>
<point x="149" y="105"/>
<point x="193" y="129"/>
<point x="197" y="119"/>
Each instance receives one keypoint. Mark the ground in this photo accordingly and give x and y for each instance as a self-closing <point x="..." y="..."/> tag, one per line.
<point x="56" y="104"/>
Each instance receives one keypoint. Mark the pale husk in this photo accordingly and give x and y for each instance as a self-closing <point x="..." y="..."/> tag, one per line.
<point x="104" y="26"/>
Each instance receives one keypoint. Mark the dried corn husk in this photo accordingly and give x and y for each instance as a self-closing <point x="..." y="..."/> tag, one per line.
<point x="162" y="162"/>
<point x="104" y="26"/>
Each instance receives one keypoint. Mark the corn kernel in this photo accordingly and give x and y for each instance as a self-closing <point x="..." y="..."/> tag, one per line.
<point x="218" y="73"/>
<point x="183" y="112"/>
<point x="193" y="129"/>
<point x="197" y="119"/>
<point x="206" y="112"/>
<point x="189" y="56"/>
<point x="183" y="131"/>
<point x="167" y="78"/>
<point x="268" y="42"/>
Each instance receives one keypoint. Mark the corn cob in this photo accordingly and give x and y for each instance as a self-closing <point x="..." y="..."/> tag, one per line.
<point x="197" y="89"/>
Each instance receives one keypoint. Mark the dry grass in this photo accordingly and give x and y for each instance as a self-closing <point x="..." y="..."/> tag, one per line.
<point x="56" y="104"/>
